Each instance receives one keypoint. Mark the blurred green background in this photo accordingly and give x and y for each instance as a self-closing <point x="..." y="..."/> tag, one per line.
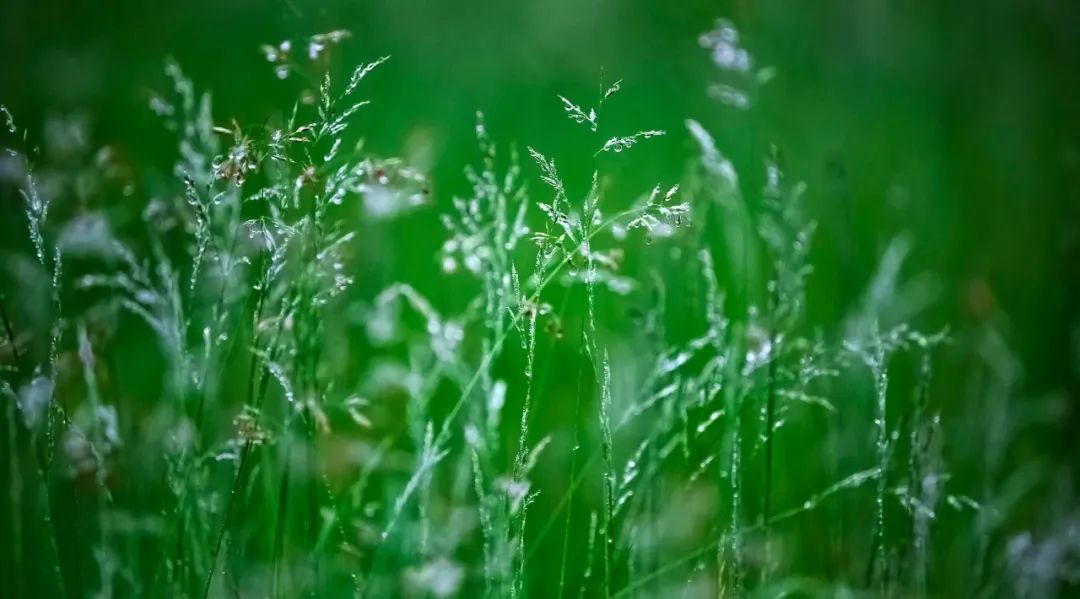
<point x="953" y="123"/>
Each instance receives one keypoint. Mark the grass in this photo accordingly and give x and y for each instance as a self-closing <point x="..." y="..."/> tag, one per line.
<point x="631" y="400"/>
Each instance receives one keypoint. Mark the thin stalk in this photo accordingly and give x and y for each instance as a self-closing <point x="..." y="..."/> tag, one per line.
<point x="573" y="470"/>
<point x="770" y="423"/>
<point x="607" y="443"/>
<point x="312" y="498"/>
<point x="879" y="370"/>
<point x="279" y="525"/>
<point x="237" y="480"/>
<point x="735" y="539"/>
<point x="225" y="521"/>
<point x="919" y="442"/>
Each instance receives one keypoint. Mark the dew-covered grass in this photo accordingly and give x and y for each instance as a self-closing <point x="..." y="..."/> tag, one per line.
<point x="219" y="379"/>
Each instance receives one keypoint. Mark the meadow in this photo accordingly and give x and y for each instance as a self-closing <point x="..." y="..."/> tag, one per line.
<point x="554" y="301"/>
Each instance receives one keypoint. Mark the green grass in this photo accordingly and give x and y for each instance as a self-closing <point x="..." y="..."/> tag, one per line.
<point x="256" y="372"/>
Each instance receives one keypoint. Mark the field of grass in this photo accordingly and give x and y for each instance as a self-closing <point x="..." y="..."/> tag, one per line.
<point x="559" y="299"/>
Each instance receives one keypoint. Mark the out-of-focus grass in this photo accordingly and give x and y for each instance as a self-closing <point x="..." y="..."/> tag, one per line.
<point x="942" y="137"/>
